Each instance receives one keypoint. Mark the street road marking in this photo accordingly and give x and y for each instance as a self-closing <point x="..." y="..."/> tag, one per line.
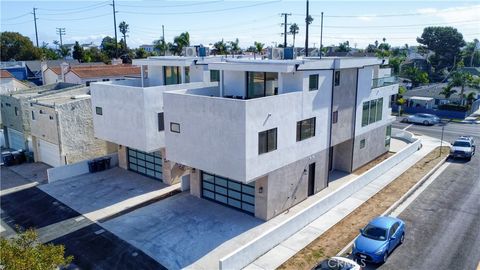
<point x="408" y="127"/>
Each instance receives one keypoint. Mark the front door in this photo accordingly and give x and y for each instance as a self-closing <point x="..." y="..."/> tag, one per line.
<point x="311" y="179"/>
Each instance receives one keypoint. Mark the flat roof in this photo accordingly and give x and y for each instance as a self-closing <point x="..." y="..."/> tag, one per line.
<point x="63" y="97"/>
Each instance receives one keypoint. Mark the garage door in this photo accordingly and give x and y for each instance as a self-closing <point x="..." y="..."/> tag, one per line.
<point x="229" y="192"/>
<point x="48" y="153"/>
<point x="15" y="139"/>
<point x="149" y="164"/>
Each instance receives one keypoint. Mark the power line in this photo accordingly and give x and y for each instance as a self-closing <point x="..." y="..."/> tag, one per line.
<point x="74" y="12"/>
<point x="17" y="23"/>
<point x="78" y="19"/>
<point x="179" y="5"/>
<point x="200" y="12"/>
<point x="394" y="26"/>
<point x="16" y="17"/>
<point x="79" y="8"/>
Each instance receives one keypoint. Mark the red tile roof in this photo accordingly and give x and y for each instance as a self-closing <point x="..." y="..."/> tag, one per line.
<point x="6" y="74"/>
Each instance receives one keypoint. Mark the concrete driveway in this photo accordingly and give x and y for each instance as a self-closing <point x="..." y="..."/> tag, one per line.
<point x="23" y="175"/>
<point x="105" y="193"/>
<point x="181" y="229"/>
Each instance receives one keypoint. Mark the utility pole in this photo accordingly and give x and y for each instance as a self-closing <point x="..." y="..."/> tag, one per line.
<point x="61" y="32"/>
<point x="115" y="28"/>
<point x="307" y="22"/>
<point x="285" y="28"/>
<point x="321" y="35"/>
<point x="35" y="21"/>
<point x="163" y="38"/>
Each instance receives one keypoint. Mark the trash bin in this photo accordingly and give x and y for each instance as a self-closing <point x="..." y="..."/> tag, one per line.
<point x="107" y="162"/>
<point x="7" y="159"/>
<point x="29" y="157"/>
<point x="100" y="164"/>
<point x="18" y="157"/>
<point x="92" y="166"/>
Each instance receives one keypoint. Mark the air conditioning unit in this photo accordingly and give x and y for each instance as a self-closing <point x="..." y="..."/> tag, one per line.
<point x="190" y="51"/>
<point x="277" y="53"/>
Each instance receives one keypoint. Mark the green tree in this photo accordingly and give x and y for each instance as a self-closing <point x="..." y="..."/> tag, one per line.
<point x="161" y="46"/>
<point x="179" y="42"/>
<point x="445" y="42"/>
<point x="220" y="47"/>
<point x="235" y="47"/>
<point x="123" y="27"/>
<point x="395" y="63"/>
<point x="470" y="98"/>
<point x="14" y="46"/>
<point x="294" y="31"/>
<point x="141" y="53"/>
<point x="95" y="55"/>
<point x="48" y="53"/>
<point x="471" y="55"/>
<point x="462" y="80"/>
<point x="77" y="52"/>
<point x="401" y="91"/>
<point x="343" y="47"/>
<point x="24" y="252"/>
<point x="448" y="91"/>
<point x="258" y="46"/>
<point x="415" y="75"/>
<point x="63" y="51"/>
<point x="108" y="47"/>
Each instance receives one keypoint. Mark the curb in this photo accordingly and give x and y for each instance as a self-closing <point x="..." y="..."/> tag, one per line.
<point x="401" y="200"/>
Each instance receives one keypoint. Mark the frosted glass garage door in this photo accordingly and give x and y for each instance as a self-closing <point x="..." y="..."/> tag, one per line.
<point x="228" y="192"/>
<point x="148" y="164"/>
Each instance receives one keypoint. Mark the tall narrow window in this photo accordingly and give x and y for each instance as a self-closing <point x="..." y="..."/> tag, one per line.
<point x="335" y="117"/>
<point x="372" y="112"/>
<point x="366" y="106"/>
<point x="187" y="74"/>
<point x="313" y="82"/>
<point x="337" y="78"/>
<point x="214" y="75"/>
<point x="161" y="124"/>
<point x="388" y="136"/>
<point x="305" y="129"/>
<point x="33" y="115"/>
<point x="379" y="109"/>
<point x="16" y="111"/>
<point x="267" y="141"/>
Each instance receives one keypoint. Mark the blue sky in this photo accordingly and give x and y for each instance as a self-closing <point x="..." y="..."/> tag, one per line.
<point x="207" y="21"/>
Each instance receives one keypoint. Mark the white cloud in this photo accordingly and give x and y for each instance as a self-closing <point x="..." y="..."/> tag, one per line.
<point x="456" y="14"/>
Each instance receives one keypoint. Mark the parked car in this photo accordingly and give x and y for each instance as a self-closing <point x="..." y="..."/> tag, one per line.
<point x="378" y="239"/>
<point x="463" y="147"/>
<point x="422" y="118"/>
<point x="338" y="263"/>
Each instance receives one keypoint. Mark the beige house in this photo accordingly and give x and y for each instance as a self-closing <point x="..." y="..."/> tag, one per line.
<point x="8" y="83"/>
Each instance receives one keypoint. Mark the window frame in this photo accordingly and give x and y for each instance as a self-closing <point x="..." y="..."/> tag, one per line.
<point x="266" y="146"/>
<point x="316" y="78"/>
<point x="98" y="110"/>
<point x="304" y="124"/>
<point x="363" y="143"/>
<point x="161" y="121"/>
<point x="264" y="79"/>
<point x="172" y="124"/>
<point x="336" y="77"/>
<point x="214" y="75"/>
<point x="335" y="117"/>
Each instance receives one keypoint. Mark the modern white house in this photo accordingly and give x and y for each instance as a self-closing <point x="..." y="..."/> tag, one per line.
<point x="130" y="112"/>
<point x="256" y="135"/>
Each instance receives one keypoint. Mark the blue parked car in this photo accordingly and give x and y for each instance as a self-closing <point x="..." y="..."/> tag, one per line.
<point x="378" y="239"/>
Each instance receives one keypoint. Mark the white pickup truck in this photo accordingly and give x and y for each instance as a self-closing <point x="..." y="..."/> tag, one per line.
<point x="463" y="147"/>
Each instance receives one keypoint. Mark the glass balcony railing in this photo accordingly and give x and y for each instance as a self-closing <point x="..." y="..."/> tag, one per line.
<point x="380" y="82"/>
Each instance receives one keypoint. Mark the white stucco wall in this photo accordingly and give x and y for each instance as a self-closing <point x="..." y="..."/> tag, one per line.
<point x="366" y="93"/>
<point x="235" y="83"/>
<point x="10" y="85"/>
<point x="50" y="77"/>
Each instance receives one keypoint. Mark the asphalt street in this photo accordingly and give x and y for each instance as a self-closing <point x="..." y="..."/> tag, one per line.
<point x="443" y="230"/>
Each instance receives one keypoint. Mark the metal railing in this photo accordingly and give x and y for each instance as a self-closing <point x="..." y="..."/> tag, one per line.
<point x="380" y="82"/>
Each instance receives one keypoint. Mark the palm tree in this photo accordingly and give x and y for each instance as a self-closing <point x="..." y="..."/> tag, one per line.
<point x="123" y="27"/>
<point x="461" y="79"/>
<point x="180" y="42"/>
<point x="448" y="92"/>
<point x="294" y="31"/>
<point x="160" y="45"/>
<point x="221" y="47"/>
<point x="234" y="47"/>
<point x="259" y="46"/>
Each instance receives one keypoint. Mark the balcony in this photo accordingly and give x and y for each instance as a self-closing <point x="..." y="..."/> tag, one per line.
<point x="220" y="134"/>
<point x="385" y="81"/>
<point x="126" y="113"/>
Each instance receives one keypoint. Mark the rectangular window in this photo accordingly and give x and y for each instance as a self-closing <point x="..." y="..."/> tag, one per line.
<point x="305" y="129"/>
<point x="16" y="111"/>
<point x="51" y="117"/>
<point x="261" y="84"/>
<point x="267" y="141"/>
<point x="362" y="144"/>
<point x="313" y="82"/>
<point x="171" y="75"/>
<point x="335" y="117"/>
<point x="161" y="124"/>
<point x="388" y="136"/>
<point x="33" y="115"/>
<point x="187" y="74"/>
<point x="99" y="110"/>
<point x="337" y="78"/>
<point x="366" y="106"/>
<point x="379" y="109"/>
<point x="372" y="113"/>
<point x="214" y="75"/>
<point x="175" y="127"/>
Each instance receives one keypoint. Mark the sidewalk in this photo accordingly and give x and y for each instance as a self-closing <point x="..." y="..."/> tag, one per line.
<point x="282" y="252"/>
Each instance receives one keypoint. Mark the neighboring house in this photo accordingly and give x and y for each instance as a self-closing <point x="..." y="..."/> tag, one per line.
<point x="62" y="128"/>
<point x="429" y="96"/>
<point x="259" y="136"/>
<point x="16" y="114"/>
<point x="148" y="48"/>
<point x="21" y="72"/>
<point x="88" y="74"/>
<point x="8" y="83"/>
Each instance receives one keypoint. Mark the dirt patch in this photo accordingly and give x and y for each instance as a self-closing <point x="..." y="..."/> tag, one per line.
<point x="337" y="237"/>
<point x="373" y="163"/>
